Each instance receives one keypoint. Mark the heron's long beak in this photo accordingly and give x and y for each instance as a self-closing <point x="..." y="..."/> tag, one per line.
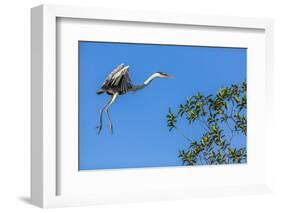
<point x="170" y="76"/>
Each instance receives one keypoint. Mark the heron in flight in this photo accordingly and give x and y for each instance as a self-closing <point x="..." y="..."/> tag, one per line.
<point x="117" y="83"/>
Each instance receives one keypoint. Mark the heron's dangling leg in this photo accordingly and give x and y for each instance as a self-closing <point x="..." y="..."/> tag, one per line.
<point x="113" y="98"/>
<point x="101" y="111"/>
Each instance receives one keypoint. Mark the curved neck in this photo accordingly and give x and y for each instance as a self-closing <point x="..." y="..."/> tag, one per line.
<point x="150" y="78"/>
<point x="145" y="83"/>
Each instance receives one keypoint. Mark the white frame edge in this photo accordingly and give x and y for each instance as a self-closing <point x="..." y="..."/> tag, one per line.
<point x="43" y="82"/>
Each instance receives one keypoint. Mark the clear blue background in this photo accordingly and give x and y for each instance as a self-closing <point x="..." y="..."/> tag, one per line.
<point x="141" y="137"/>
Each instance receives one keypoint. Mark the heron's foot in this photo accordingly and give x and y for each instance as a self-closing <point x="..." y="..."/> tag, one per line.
<point x="110" y="128"/>
<point x="99" y="128"/>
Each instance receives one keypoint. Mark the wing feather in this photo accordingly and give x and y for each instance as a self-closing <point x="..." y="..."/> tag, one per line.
<point x="126" y="83"/>
<point x="118" y="80"/>
<point x="113" y="75"/>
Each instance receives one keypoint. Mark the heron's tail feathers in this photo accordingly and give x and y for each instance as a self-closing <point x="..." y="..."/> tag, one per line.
<point x="100" y="91"/>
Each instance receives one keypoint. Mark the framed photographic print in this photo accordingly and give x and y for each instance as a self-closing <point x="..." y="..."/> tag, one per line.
<point x="130" y="106"/>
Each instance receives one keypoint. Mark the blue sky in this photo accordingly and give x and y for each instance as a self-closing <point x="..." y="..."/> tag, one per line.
<point x="141" y="137"/>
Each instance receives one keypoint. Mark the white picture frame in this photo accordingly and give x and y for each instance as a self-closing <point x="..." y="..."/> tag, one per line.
<point x="48" y="168"/>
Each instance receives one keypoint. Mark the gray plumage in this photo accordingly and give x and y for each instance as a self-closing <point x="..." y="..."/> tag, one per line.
<point x="118" y="82"/>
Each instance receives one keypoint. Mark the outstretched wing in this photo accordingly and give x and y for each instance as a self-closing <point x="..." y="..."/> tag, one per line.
<point x="112" y="75"/>
<point x="118" y="80"/>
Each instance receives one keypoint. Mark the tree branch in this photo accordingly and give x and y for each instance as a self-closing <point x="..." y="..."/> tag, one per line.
<point x="182" y="134"/>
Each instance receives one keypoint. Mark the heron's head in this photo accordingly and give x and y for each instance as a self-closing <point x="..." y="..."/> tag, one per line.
<point x="163" y="75"/>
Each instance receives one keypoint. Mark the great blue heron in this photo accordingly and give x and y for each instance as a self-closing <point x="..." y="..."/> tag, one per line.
<point x="117" y="83"/>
